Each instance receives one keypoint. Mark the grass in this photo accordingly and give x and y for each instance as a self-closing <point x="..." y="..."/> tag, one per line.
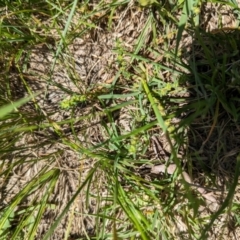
<point x="94" y="95"/>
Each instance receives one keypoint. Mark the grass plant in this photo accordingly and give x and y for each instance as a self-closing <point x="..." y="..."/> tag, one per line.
<point x="93" y="96"/>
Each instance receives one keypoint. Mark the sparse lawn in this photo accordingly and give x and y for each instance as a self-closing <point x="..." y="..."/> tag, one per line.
<point x="119" y="120"/>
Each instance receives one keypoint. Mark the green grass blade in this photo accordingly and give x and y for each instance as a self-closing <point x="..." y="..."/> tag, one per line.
<point x="64" y="33"/>
<point x="28" y="189"/>
<point x="12" y="106"/>
<point x="154" y="105"/>
<point x="227" y="201"/>
<point x="137" y="218"/>
<point x="185" y="16"/>
<point x="43" y="204"/>
<point x="66" y="209"/>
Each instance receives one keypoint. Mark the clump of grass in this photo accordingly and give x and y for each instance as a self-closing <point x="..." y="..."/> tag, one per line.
<point x="95" y="162"/>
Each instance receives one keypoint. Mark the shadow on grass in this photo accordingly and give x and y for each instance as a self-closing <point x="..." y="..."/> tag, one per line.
<point x="212" y="115"/>
<point x="213" y="112"/>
